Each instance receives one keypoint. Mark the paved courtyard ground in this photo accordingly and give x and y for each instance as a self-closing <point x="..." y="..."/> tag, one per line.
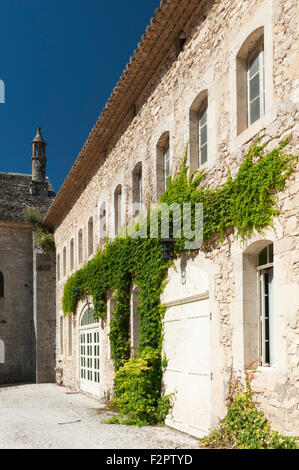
<point x="48" y="416"/>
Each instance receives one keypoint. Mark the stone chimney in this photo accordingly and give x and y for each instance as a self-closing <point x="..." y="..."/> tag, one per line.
<point x="39" y="185"/>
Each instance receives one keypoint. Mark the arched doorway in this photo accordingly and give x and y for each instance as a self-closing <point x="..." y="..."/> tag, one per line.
<point x="89" y="340"/>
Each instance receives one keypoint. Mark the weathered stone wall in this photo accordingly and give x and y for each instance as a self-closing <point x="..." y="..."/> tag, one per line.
<point x="44" y="280"/>
<point x="16" y="308"/>
<point x="214" y="36"/>
<point x="15" y="197"/>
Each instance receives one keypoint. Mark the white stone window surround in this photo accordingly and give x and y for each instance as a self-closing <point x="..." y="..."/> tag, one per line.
<point x="191" y="96"/>
<point x="102" y="220"/>
<point x="162" y="124"/>
<point x="119" y="180"/>
<point x="256" y="57"/>
<point x="137" y="160"/>
<point x="283" y="303"/>
<point x="64" y="262"/>
<point x="80" y="246"/>
<point x="163" y="159"/>
<point x="72" y="254"/>
<point x="90" y="239"/>
<point x="266" y="341"/>
<point x="263" y="18"/>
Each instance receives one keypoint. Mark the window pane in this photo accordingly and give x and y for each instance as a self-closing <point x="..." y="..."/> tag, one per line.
<point x="167" y="162"/>
<point x="254" y="110"/>
<point x="271" y="253"/>
<point x="203" y="118"/>
<point x="254" y="65"/>
<point x="254" y="87"/>
<point x="203" y="135"/>
<point x="204" y="154"/>
<point x="262" y="257"/>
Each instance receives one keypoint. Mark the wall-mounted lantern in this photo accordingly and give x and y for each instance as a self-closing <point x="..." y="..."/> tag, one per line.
<point x="167" y="248"/>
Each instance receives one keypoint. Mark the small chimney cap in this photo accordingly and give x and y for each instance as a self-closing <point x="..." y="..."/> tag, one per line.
<point x="38" y="137"/>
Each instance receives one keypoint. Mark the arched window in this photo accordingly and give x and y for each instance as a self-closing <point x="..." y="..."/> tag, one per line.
<point x="2" y="352"/>
<point x="198" y="125"/>
<point x="117" y="209"/>
<point x="64" y="261"/>
<point x="80" y="246"/>
<point x="1" y="285"/>
<point x="88" y="317"/>
<point x="103" y="223"/>
<point x="90" y="236"/>
<point x="137" y="189"/>
<point x="72" y="254"/>
<point x="162" y="164"/>
<point x="255" y="84"/>
<point x="251" y="92"/>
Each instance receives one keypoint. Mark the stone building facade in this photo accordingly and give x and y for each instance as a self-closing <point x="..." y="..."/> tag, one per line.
<point x="27" y="277"/>
<point x="214" y="74"/>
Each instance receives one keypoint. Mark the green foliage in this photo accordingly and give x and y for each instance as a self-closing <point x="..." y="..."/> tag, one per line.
<point x="137" y="385"/>
<point x="244" y="426"/>
<point x="245" y="203"/>
<point x="32" y="215"/>
<point x="44" y="238"/>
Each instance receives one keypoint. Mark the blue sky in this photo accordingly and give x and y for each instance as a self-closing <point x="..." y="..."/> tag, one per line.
<point x="59" y="60"/>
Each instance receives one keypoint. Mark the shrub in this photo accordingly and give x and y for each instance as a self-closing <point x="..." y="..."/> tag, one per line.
<point x="244" y="426"/>
<point x="137" y="396"/>
<point x="44" y="238"/>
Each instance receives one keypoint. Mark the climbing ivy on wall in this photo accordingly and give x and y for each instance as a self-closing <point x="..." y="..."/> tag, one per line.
<point x="245" y="203"/>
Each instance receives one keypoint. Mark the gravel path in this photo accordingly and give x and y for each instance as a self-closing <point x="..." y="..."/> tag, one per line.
<point x="47" y="416"/>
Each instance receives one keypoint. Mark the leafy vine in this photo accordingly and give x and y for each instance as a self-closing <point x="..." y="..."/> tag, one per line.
<point x="245" y="203"/>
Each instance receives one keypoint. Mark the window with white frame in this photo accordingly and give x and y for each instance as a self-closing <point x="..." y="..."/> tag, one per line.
<point x="64" y="261"/>
<point x="265" y="278"/>
<point x="198" y="128"/>
<point x="250" y="80"/>
<point x="90" y="236"/>
<point x="166" y="158"/>
<point x="80" y="246"/>
<point x="162" y="164"/>
<point x="72" y="254"/>
<point x="256" y="84"/>
<point x="137" y="189"/>
<point x="103" y="223"/>
<point x="203" y="133"/>
<point x="117" y="209"/>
